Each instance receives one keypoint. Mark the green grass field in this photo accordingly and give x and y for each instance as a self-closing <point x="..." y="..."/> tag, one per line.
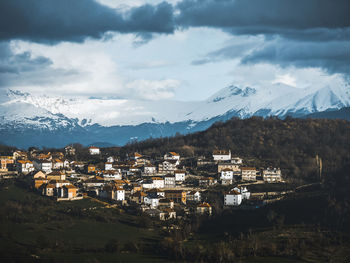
<point x="37" y="228"/>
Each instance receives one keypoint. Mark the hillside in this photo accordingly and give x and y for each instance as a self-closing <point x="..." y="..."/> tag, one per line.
<point x="291" y="144"/>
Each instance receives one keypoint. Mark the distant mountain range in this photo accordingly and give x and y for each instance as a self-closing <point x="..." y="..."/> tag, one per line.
<point x="28" y="120"/>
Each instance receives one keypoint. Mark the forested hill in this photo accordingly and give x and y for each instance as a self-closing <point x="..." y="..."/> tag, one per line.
<point x="291" y="144"/>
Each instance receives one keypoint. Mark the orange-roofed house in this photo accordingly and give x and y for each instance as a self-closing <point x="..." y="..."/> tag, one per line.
<point x="172" y="156"/>
<point x="44" y="156"/>
<point x="39" y="175"/>
<point x="5" y="162"/>
<point x="56" y="175"/>
<point x="134" y="156"/>
<point x="91" y="168"/>
<point x="39" y="182"/>
<point x="24" y="166"/>
<point x="204" y="208"/>
<point x="136" y="187"/>
<point x="67" y="191"/>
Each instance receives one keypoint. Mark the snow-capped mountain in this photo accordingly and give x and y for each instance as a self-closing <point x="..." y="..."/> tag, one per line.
<point x="116" y="121"/>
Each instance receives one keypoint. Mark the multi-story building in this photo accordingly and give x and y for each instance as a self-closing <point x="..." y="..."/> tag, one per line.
<point x="180" y="176"/>
<point x="43" y="165"/>
<point x="272" y="175"/>
<point x="221" y="155"/>
<point x="167" y="166"/>
<point x="169" y="181"/>
<point x="248" y="174"/>
<point x="233" y="198"/>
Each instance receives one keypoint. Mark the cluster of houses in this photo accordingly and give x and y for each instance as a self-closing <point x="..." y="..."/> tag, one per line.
<point x="158" y="188"/>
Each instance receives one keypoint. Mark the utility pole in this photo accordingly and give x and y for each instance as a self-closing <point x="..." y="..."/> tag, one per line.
<point x="319" y="166"/>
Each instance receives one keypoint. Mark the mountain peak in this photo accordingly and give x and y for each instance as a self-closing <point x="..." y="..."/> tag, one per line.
<point x="16" y="93"/>
<point x="230" y="91"/>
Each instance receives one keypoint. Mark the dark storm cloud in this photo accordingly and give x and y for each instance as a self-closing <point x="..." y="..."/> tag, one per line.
<point x="16" y="63"/>
<point x="238" y="49"/>
<point x="334" y="56"/>
<point x="314" y="19"/>
<point x="301" y="33"/>
<point x="67" y="20"/>
<point x="24" y="69"/>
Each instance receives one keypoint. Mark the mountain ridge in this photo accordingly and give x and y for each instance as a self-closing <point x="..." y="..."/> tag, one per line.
<point x="60" y="121"/>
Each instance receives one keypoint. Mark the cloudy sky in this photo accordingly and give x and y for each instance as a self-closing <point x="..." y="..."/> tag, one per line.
<point x="175" y="49"/>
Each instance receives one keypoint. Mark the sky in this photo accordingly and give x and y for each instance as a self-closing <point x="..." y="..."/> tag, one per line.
<point x="170" y="50"/>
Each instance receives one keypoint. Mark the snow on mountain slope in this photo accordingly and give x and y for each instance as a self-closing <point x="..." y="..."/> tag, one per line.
<point x="244" y="101"/>
<point x="310" y="100"/>
<point x="108" y="112"/>
<point x="24" y="115"/>
<point x="276" y="99"/>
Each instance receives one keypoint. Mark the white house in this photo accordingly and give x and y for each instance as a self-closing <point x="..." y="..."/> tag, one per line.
<point x="66" y="164"/>
<point x="167" y="166"/>
<point x="43" y="165"/>
<point x="169" y="181"/>
<point x="272" y="175"/>
<point x="180" y="175"/>
<point x="112" y="193"/>
<point x="112" y="175"/>
<point x="152" y="201"/>
<point x="233" y="198"/>
<point x="172" y="156"/>
<point x="60" y="183"/>
<point x="57" y="164"/>
<point x="226" y="174"/>
<point x="158" y="182"/>
<point x="156" y="192"/>
<point x="194" y="196"/>
<point x="221" y="155"/>
<point x="108" y="166"/>
<point x="237" y="160"/>
<point x="155" y="182"/>
<point x="119" y="194"/>
<point x="110" y="159"/>
<point x="149" y="169"/>
<point x="147" y="184"/>
<point x="243" y="191"/>
<point x="24" y="166"/>
<point x="94" y="150"/>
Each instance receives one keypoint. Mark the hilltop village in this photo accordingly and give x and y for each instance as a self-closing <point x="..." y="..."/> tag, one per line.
<point x="163" y="188"/>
